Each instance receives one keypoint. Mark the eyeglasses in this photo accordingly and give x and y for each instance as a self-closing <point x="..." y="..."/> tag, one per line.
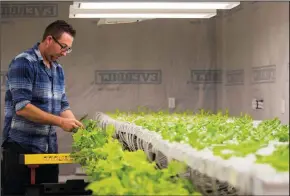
<point x="63" y="48"/>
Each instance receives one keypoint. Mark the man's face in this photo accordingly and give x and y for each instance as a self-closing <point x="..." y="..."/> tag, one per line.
<point x="56" y="48"/>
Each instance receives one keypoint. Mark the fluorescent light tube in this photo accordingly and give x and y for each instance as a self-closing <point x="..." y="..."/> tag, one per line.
<point x="93" y="13"/>
<point x="155" y="5"/>
<point x="147" y="15"/>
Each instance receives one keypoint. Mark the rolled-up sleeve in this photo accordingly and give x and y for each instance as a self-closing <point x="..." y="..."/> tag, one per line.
<point x="64" y="103"/>
<point x="20" y="80"/>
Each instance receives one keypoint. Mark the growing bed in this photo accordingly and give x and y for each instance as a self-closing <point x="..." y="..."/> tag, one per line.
<point x="223" y="155"/>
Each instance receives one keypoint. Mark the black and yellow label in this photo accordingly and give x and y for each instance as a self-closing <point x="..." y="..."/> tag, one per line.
<point x="30" y="159"/>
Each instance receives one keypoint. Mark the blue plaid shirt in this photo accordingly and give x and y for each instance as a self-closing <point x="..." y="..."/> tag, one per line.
<point x="30" y="81"/>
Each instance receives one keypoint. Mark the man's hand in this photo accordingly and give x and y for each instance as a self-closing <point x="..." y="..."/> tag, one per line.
<point x="68" y="114"/>
<point x="68" y="124"/>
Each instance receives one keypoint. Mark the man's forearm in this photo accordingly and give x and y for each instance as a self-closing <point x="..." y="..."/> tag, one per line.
<point x="35" y="114"/>
<point x="67" y="114"/>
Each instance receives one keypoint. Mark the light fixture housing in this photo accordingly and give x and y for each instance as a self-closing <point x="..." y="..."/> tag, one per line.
<point x="145" y="14"/>
<point x="155" y="5"/>
<point x="147" y="10"/>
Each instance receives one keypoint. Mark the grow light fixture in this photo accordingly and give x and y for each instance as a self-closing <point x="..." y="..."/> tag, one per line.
<point x="155" y="5"/>
<point x="147" y="10"/>
<point x="142" y="16"/>
<point x="145" y="15"/>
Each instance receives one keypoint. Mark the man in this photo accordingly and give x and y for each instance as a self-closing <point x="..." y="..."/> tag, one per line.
<point x="35" y="103"/>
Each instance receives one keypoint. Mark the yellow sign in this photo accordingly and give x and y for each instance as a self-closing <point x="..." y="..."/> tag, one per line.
<point x="31" y="159"/>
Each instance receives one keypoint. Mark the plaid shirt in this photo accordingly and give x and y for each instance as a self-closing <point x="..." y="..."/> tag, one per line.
<point x="30" y="81"/>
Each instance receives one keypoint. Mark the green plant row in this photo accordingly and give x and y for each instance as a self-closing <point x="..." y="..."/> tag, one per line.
<point x="114" y="171"/>
<point x="224" y="136"/>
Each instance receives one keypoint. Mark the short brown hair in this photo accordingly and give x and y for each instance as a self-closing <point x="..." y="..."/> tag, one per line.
<point x="57" y="28"/>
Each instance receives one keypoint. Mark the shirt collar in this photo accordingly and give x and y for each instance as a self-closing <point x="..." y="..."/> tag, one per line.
<point x="39" y="56"/>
